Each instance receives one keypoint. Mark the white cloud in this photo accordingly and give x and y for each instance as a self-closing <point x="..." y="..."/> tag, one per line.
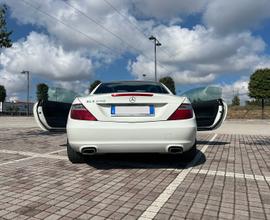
<point x="42" y="57"/>
<point x="263" y="63"/>
<point x="197" y="55"/>
<point x="13" y="82"/>
<point x="188" y="77"/>
<point x="13" y="99"/>
<point x="240" y="88"/>
<point x="233" y="16"/>
<point x="168" y="9"/>
<point x="82" y="32"/>
<point x="202" y="45"/>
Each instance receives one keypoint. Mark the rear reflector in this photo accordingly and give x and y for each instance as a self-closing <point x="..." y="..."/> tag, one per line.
<point x="131" y="94"/>
<point x="79" y="112"/>
<point x="184" y="111"/>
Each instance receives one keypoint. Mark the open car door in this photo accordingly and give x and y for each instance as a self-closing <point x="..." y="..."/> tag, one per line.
<point x="51" y="115"/>
<point x="210" y="110"/>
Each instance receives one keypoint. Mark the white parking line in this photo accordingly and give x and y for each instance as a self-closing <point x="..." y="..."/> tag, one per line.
<point x="30" y="155"/>
<point x="57" y="151"/>
<point x="232" y="174"/>
<point x="14" y="161"/>
<point x="154" y="208"/>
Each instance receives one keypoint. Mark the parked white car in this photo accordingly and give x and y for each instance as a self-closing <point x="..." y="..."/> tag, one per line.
<point x="130" y="117"/>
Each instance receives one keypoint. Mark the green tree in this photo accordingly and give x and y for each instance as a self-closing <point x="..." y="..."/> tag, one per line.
<point x="42" y="92"/>
<point x="259" y="86"/>
<point x="5" y="40"/>
<point x="169" y="82"/>
<point x="3" y="93"/>
<point x="94" y="85"/>
<point x="236" y="101"/>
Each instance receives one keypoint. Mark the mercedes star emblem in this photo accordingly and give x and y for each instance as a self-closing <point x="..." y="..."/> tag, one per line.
<point x="132" y="99"/>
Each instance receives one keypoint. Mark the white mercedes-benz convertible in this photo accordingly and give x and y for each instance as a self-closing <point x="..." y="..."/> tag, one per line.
<point x="130" y="117"/>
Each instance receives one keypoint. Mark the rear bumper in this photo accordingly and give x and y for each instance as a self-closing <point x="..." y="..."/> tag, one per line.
<point x="147" y="137"/>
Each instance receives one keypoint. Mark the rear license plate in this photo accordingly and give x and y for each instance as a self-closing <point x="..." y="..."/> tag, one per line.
<point x="135" y="111"/>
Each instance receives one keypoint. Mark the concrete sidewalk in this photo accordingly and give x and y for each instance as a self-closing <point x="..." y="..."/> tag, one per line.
<point x="17" y="122"/>
<point x="247" y="127"/>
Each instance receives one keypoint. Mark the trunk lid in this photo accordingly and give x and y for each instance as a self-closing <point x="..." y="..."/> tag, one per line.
<point x="132" y="107"/>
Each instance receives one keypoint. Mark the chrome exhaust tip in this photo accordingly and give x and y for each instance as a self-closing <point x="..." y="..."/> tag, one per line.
<point x="175" y="150"/>
<point x="89" y="151"/>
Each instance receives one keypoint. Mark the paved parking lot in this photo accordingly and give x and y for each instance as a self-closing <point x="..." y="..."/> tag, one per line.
<point x="229" y="178"/>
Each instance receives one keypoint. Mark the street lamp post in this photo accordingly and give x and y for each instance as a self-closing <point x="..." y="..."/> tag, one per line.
<point x="156" y="44"/>
<point x="27" y="73"/>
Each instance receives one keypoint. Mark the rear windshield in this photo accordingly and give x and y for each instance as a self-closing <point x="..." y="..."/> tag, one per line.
<point x="131" y="87"/>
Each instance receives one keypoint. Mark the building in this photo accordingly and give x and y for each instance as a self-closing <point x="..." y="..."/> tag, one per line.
<point x="17" y="108"/>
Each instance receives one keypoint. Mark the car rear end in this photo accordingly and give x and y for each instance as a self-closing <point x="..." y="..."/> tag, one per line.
<point x="131" y="122"/>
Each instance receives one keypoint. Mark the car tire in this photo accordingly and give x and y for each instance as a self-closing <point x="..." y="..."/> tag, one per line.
<point x="74" y="156"/>
<point x="191" y="153"/>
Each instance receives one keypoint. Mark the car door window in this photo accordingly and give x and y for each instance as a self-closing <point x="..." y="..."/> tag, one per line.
<point x="203" y="94"/>
<point x="53" y="113"/>
<point x="57" y="94"/>
<point x="209" y="109"/>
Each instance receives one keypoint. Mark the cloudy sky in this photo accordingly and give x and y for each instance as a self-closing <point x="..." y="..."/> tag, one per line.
<point x="70" y="43"/>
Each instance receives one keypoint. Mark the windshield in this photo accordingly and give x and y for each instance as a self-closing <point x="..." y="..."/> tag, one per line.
<point x="131" y="87"/>
<point x="203" y="94"/>
<point x="61" y="95"/>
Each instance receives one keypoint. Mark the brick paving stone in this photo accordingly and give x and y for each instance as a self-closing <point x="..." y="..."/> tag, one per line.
<point x="53" y="217"/>
<point x="225" y="215"/>
<point x="6" y="157"/>
<point x="11" y="215"/>
<point x="73" y="214"/>
<point x="117" y="215"/>
<point x="212" y="196"/>
<point x="105" y="213"/>
<point x="117" y="186"/>
<point x="161" y="216"/>
<point x="65" y="218"/>
<point x="129" y="217"/>
<point x="84" y="216"/>
<point x="192" y="215"/>
<point x="3" y="212"/>
<point x="31" y="140"/>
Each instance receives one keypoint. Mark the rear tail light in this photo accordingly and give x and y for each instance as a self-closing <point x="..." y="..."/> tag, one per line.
<point x="79" y="112"/>
<point x="184" y="111"/>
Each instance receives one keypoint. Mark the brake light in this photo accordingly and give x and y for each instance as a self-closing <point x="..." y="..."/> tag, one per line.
<point x="184" y="111"/>
<point x="79" y="112"/>
<point x="131" y="94"/>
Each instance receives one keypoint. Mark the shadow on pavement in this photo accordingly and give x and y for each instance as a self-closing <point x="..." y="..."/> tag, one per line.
<point x="212" y="143"/>
<point x="141" y="161"/>
<point x="44" y="133"/>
